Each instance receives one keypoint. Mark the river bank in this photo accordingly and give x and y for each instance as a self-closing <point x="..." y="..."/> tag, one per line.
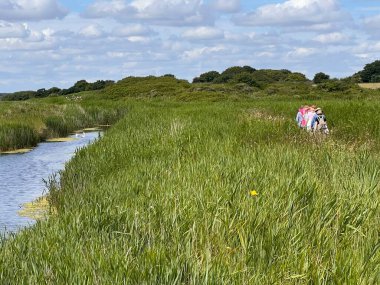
<point x="25" y="124"/>
<point x="22" y="177"/>
<point x="74" y="135"/>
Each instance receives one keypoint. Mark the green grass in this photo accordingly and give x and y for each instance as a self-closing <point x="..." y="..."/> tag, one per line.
<point x="163" y="198"/>
<point x="24" y="124"/>
<point x="17" y="135"/>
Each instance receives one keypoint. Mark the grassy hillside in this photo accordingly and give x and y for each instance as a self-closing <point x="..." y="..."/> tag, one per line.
<point x="210" y="185"/>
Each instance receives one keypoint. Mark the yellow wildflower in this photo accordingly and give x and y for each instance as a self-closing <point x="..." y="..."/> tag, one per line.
<point x="253" y="193"/>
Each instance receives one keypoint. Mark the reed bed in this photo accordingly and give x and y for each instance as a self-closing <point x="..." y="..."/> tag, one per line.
<point x="210" y="193"/>
<point x="17" y="135"/>
<point x="24" y="124"/>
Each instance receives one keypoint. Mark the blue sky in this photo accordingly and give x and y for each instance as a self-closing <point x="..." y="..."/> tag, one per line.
<point x="45" y="43"/>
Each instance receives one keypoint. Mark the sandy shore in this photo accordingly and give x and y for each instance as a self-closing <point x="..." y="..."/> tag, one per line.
<point x="17" y="151"/>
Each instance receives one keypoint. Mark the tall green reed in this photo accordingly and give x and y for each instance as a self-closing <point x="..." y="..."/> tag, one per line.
<point x="165" y="198"/>
<point x="17" y="135"/>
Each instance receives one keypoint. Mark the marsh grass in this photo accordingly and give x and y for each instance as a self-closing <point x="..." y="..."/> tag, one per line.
<point x="17" y="135"/>
<point x="24" y="124"/>
<point x="164" y="198"/>
<point x="56" y="127"/>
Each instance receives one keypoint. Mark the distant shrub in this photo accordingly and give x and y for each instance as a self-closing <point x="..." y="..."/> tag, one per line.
<point x="19" y="96"/>
<point x="335" y="85"/>
<point x="320" y="77"/>
<point x="206" y="77"/>
<point x="223" y="78"/>
<point x="169" y="75"/>
<point x="296" y="77"/>
<point x="247" y="78"/>
<point x="79" y="86"/>
<point x="83" y="85"/>
<point x="234" y="70"/>
<point x="250" y="76"/>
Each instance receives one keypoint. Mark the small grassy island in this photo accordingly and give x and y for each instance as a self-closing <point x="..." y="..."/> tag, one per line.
<point x="209" y="182"/>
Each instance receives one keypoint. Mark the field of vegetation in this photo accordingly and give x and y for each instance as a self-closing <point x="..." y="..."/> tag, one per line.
<point x="210" y="184"/>
<point x="24" y="124"/>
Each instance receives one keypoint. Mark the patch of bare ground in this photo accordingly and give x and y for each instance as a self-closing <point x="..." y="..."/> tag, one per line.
<point x="370" y="85"/>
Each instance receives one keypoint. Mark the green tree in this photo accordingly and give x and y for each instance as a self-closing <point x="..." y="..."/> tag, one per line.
<point x="296" y="77"/>
<point x="223" y="78"/>
<point x="232" y="71"/>
<point x="169" y="75"/>
<point x="320" y="77"/>
<point x="335" y="85"/>
<point x="41" y="93"/>
<point x="249" y="69"/>
<point x="100" y="84"/>
<point x="371" y="72"/>
<point x="206" y="77"/>
<point x="53" y="90"/>
<point x="80" y="85"/>
<point x="19" y="96"/>
<point x="246" y="78"/>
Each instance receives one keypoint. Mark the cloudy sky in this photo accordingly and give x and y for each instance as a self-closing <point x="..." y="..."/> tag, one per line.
<point x="45" y="43"/>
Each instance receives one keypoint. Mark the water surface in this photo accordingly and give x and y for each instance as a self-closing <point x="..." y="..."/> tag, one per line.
<point x="22" y="175"/>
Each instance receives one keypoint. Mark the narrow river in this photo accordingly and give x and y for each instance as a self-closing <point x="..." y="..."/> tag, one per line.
<point x="22" y="175"/>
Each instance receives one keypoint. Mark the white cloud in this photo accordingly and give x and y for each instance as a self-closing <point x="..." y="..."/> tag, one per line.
<point x="139" y="39"/>
<point x="182" y="37"/>
<point x="228" y="6"/>
<point x="112" y="8"/>
<point x="164" y="12"/>
<point x="92" y="31"/>
<point x="35" y="36"/>
<point x="332" y="38"/>
<point x="32" y="10"/>
<point x="372" y="24"/>
<point x="197" y="53"/>
<point x="117" y="54"/>
<point x="203" y="33"/>
<point x="373" y="21"/>
<point x="132" y="30"/>
<point x="14" y="45"/>
<point x="10" y="30"/>
<point x="317" y="28"/>
<point x="370" y="47"/>
<point x="264" y="54"/>
<point x="301" y="52"/>
<point x="294" y="13"/>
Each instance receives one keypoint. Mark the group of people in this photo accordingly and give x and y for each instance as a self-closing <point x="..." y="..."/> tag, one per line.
<point x="312" y="119"/>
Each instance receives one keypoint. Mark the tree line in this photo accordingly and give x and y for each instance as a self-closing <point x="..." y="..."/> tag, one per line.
<point x="264" y="77"/>
<point x="257" y="78"/>
<point x="254" y="77"/>
<point x="250" y="76"/>
<point x="79" y="86"/>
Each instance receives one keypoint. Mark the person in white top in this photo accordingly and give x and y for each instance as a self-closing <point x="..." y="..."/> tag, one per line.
<point x="309" y="118"/>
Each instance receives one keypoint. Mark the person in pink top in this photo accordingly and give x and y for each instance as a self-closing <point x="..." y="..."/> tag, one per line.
<point x="300" y="117"/>
<point x="304" y="112"/>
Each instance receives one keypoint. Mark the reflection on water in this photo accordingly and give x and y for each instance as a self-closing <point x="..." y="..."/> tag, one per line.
<point x="21" y="177"/>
